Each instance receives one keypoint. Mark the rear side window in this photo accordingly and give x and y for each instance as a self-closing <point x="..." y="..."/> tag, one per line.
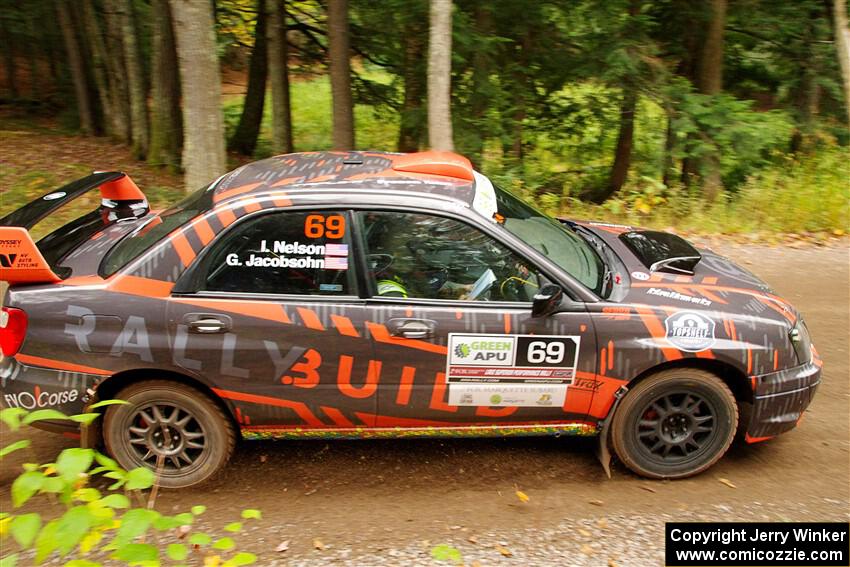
<point x="139" y="241"/>
<point x="301" y="253"/>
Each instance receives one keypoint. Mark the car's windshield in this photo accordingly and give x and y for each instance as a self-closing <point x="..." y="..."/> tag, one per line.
<point x="155" y="229"/>
<point x="552" y="239"/>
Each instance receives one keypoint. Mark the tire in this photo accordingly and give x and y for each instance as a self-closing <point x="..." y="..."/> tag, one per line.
<point x="675" y="424"/>
<point x="202" y="436"/>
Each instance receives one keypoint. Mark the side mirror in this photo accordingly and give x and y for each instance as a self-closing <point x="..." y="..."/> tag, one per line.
<point x="546" y="300"/>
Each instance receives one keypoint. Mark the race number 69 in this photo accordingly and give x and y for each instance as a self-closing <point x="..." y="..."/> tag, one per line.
<point x="545" y="352"/>
<point x="331" y="226"/>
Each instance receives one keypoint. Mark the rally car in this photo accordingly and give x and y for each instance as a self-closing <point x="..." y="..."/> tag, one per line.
<point x="364" y="294"/>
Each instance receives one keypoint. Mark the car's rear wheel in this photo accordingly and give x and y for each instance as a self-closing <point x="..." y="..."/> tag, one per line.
<point x="675" y="424"/>
<point x="171" y="428"/>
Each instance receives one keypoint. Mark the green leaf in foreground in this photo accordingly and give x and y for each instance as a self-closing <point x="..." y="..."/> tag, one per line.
<point x="12" y="417"/>
<point x="25" y="486"/>
<point x="240" y="559"/>
<point x="105" y="403"/>
<point x="9" y="560"/>
<point x="84" y="418"/>
<point x="224" y="544"/>
<point x="445" y="552"/>
<point x="199" y="539"/>
<point x="140" y="479"/>
<point x="136" y="553"/>
<point x="20" y="444"/>
<point x="233" y="527"/>
<point x="177" y="551"/>
<point x="73" y="462"/>
<point x="72" y="526"/>
<point x="115" y="501"/>
<point x="198" y="510"/>
<point x="25" y="527"/>
<point x="251" y="514"/>
<point x="134" y="523"/>
<point x="42" y="414"/>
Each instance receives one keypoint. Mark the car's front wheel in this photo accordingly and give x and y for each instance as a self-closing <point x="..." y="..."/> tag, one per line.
<point x="675" y="424"/>
<point x="171" y="428"/>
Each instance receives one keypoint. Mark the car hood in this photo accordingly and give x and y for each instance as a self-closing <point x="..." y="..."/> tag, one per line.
<point x="717" y="283"/>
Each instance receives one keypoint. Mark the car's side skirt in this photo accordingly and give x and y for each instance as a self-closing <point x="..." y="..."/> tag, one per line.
<point x="283" y="432"/>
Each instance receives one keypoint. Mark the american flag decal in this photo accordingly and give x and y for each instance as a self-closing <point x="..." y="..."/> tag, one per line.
<point x="336" y="262"/>
<point x="336" y="249"/>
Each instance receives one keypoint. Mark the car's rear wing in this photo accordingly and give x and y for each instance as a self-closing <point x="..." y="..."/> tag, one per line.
<point x="20" y="259"/>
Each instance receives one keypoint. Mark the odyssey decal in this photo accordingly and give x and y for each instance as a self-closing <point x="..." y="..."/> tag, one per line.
<point x="690" y="331"/>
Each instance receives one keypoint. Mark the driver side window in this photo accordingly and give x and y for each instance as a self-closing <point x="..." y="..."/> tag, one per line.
<point x="421" y="256"/>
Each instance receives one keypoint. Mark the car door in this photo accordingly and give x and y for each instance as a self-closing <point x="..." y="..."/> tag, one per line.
<point x="450" y="313"/>
<point x="270" y="318"/>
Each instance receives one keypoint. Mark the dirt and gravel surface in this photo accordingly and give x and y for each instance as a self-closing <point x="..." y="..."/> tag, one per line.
<point x="386" y="502"/>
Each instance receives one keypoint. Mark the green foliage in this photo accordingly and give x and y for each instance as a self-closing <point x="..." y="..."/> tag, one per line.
<point x="93" y="526"/>
<point x="447" y="553"/>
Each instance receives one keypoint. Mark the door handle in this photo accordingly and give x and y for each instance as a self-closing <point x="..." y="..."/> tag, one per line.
<point x="207" y="326"/>
<point x="205" y="323"/>
<point x="412" y="328"/>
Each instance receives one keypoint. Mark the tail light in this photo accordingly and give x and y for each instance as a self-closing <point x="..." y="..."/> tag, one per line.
<point x="13" y="329"/>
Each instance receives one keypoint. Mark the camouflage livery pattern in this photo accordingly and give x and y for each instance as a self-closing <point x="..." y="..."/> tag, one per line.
<point x="320" y="366"/>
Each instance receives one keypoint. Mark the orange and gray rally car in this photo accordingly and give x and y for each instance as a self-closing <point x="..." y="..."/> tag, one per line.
<point x="365" y="294"/>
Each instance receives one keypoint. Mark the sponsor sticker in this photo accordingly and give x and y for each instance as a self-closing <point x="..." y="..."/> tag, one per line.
<point x="54" y="196"/>
<point x="678" y="296"/>
<point x="642" y="276"/>
<point x="512" y="370"/>
<point x="500" y="395"/>
<point x="39" y="398"/>
<point x="690" y="331"/>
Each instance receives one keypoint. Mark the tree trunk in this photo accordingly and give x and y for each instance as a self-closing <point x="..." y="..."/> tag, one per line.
<point x="710" y="79"/>
<point x="279" y="78"/>
<point x="440" y="76"/>
<point x="244" y="139"/>
<point x="32" y="54"/>
<point x="482" y="66"/>
<point x="710" y="82"/>
<point x="76" y="64"/>
<point x="204" y="158"/>
<point x="842" y="45"/>
<point x="669" y="146"/>
<point x="623" y="152"/>
<point x="98" y="58"/>
<point x="410" y="128"/>
<point x="166" y="114"/>
<point x="340" y="69"/>
<point x="116" y="71"/>
<point x="135" y="80"/>
<point x="9" y="58"/>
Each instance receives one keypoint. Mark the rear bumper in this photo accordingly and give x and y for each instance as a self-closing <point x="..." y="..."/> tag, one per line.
<point x="780" y="400"/>
<point x="33" y="388"/>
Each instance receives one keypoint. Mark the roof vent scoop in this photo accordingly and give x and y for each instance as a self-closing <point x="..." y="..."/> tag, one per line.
<point x="447" y="164"/>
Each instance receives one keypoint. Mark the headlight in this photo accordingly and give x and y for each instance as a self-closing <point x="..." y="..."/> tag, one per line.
<point x="801" y="341"/>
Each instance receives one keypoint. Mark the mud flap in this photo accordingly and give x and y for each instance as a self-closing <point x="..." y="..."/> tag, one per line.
<point x="602" y="452"/>
<point x="91" y="433"/>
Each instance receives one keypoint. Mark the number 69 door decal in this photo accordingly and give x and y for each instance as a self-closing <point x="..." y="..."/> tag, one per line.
<point x="510" y="370"/>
